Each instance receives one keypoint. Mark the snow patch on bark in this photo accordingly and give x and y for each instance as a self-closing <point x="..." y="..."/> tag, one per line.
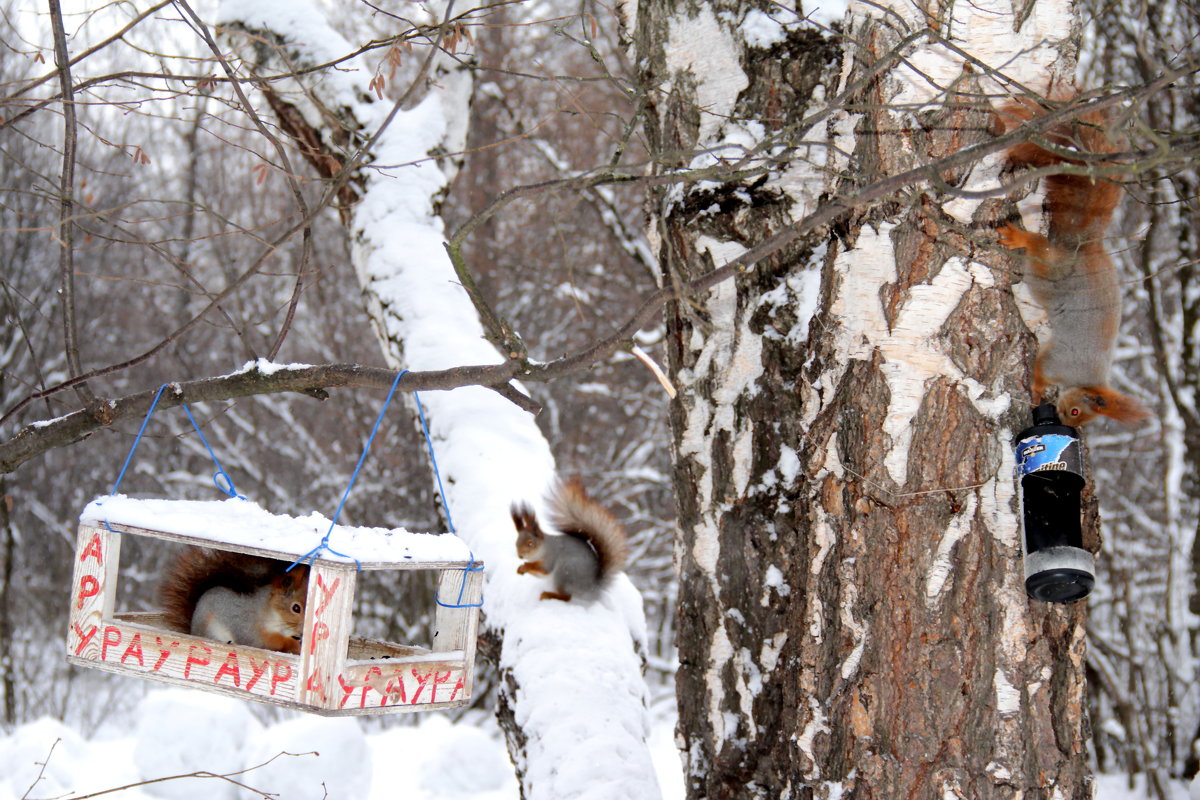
<point x="773" y="583"/>
<point x="307" y="41"/>
<point x="798" y="293"/>
<point x="824" y="12"/>
<point x="759" y="29"/>
<point x="789" y="464"/>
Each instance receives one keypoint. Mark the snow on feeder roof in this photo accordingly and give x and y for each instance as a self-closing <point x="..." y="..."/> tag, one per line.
<point x="334" y="674"/>
<point x="247" y="527"/>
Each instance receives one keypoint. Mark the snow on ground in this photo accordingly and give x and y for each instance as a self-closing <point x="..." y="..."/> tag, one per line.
<point x="179" y="731"/>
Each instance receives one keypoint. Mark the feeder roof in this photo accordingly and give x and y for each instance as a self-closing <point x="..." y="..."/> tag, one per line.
<point x="250" y="528"/>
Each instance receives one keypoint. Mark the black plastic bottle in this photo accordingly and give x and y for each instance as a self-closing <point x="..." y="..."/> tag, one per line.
<point x="1050" y="468"/>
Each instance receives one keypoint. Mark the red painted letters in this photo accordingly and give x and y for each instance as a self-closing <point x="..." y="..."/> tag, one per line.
<point x="88" y="587"/>
<point x="93" y="549"/>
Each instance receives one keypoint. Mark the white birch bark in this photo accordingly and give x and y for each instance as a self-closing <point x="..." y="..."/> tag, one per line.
<point x="822" y="582"/>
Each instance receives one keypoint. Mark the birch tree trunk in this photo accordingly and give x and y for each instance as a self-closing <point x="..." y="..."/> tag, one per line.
<point x="853" y="620"/>
<point x="572" y="695"/>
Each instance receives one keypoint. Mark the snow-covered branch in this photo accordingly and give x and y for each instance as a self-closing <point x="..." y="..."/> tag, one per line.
<point x="258" y="378"/>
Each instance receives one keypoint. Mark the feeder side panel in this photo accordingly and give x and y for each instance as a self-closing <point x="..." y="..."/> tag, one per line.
<point x="408" y="684"/>
<point x="466" y="626"/>
<point x="93" y="588"/>
<point x="455" y="623"/>
<point x="327" y="625"/>
<point x="471" y="636"/>
<point x="195" y="662"/>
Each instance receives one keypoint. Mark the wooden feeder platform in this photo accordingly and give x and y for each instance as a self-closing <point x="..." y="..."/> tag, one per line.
<point x="334" y="674"/>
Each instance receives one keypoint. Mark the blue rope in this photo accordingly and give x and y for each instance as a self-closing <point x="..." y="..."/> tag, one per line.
<point x="311" y="555"/>
<point x="470" y="567"/>
<point x="220" y="473"/>
<point x="433" y="459"/>
<point x="462" y="588"/>
<point x="137" y="439"/>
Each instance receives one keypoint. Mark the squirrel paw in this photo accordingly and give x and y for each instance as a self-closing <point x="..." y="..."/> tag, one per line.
<point x="1011" y="237"/>
<point x="566" y="598"/>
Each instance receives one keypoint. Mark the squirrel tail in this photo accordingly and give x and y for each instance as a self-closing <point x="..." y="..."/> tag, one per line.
<point x="576" y="514"/>
<point x="197" y="569"/>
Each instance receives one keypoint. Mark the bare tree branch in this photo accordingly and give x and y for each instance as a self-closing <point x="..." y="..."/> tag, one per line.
<point x="228" y="777"/>
<point x="66" y="202"/>
<point x="35" y="440"/>
<point x="91" y="50"/>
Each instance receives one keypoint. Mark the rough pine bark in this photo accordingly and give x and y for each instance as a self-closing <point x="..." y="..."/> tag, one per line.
<point x="853" y="621"/>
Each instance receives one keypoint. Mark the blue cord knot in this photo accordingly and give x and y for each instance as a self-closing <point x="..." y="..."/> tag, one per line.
<point x="462" y="587"/>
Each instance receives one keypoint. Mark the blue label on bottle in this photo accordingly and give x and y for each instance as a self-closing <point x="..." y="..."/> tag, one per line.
<point x="1049" y="452"/>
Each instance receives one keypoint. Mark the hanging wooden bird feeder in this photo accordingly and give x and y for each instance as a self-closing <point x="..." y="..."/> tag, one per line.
<point x="335" y="673"/>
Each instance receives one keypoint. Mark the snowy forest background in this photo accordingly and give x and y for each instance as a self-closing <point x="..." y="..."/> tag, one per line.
<point x="176" y="189"/>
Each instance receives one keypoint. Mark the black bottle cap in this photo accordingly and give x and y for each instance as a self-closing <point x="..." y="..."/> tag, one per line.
<point x="1045" y="421"/>
<point x="1045" y="414"/>
<point x="1062" y="585"/>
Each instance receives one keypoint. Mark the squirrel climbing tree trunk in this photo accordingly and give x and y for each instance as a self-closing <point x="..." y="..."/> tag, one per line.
<point x="853" y="620"/>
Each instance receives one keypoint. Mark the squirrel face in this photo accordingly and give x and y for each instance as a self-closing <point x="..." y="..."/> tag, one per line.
<point x="1082" y="404"/>
<point x="289" y="595"/>
<point x="529" y="535"/>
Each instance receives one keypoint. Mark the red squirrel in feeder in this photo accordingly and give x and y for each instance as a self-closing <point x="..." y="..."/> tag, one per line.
<point x="236" y="598"/>
<point x="593" y="545"/>
<point x="1070" y="273"/>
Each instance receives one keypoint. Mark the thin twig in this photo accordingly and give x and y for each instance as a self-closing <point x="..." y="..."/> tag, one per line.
<point x="66" y="188"/>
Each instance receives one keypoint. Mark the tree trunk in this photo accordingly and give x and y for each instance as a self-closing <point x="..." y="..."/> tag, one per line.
<point x="853" y="619"/>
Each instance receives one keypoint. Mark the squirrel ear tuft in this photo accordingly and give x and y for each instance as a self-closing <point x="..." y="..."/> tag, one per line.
<point x="523" y="517"/>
